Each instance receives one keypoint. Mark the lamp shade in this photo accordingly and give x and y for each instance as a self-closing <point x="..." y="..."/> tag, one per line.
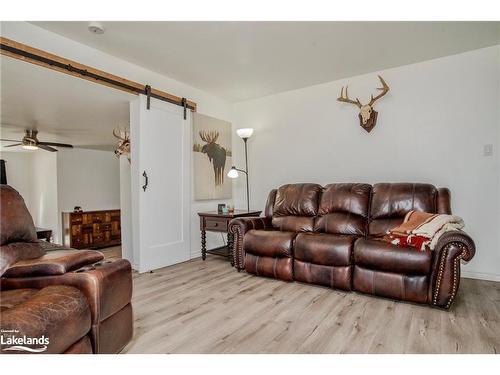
<point x="244" y="132"/>
<point x="233" y="173"/>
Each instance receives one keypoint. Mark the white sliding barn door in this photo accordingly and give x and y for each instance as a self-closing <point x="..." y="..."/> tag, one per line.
<point x="160" y="139"/>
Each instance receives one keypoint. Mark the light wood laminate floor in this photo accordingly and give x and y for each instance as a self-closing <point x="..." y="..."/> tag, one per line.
<point x="113" y="252"/>
<point x="208" y="307"/>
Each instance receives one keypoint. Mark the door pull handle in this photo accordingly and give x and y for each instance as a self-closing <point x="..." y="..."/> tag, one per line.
<point x="146" y="181"/>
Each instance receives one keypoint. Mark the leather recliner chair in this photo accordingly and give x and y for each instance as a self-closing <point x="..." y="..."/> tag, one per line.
<point x="37" y="276"/>
<point x="331" y="236"/>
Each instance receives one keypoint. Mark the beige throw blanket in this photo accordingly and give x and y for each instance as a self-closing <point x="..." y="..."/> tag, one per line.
<point x="424" y="226"/>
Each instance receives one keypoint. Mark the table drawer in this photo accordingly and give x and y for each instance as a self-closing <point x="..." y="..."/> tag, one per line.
<point x="215" y="224"/>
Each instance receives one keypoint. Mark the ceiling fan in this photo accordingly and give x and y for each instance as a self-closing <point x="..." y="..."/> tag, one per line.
<point x="31" y="142"/>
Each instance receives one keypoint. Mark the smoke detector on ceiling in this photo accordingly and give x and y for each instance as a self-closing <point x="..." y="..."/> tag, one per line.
<point x="96" y="28"/>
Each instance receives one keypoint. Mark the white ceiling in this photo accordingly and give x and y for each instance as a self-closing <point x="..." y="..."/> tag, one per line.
<point x="63" y="108"/>
<point x="235" y="60"/>
<point x="242" y="60"/>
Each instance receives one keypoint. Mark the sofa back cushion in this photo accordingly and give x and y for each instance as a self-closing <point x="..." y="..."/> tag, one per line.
<point x="17" y="231"/>
<point x="269" y="210"/>
<point x="296" y="206"/>
<point x="16" y="223"/>
<point x="443" y="201"/>
<point x="343" y="209"/>
<point x="391" y="202"/>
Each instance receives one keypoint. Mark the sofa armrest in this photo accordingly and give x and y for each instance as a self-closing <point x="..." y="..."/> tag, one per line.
<point x="57" y="262"/>
<point x="15" y="251"/>
<point x="238" y="227"/>
<point x="451" y="248"/>
<point x="459" y="238"/>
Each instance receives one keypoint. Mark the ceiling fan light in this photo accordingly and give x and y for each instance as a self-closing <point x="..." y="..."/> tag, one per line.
<point x="28" y="144"/>
<point x="30" y="147"/>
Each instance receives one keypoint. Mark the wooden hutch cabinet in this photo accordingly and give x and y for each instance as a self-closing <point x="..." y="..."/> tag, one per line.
<point x="91" y="229"/>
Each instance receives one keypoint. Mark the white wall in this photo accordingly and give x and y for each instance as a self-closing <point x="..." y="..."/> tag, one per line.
<point x="45" y="209"/>
<point x="431" y="128"/>
<point x="207" y="104"/>
<point x="87" y="178"/>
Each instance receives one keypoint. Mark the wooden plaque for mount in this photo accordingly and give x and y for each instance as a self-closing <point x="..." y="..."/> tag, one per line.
<point x="370" y="124"/>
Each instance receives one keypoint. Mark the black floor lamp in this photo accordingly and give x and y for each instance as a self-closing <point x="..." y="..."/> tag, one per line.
<point x="233" y="172"/>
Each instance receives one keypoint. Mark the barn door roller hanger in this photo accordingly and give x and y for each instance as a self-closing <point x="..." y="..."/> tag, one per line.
<point x="147" y="92"/>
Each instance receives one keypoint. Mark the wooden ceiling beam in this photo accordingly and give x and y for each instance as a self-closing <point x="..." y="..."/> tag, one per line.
<point x="48" y="60"/>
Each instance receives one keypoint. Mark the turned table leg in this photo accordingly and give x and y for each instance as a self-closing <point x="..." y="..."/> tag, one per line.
<point x="203" y="244"/>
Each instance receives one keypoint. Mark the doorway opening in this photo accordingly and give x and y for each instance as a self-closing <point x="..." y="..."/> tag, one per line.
<point x="58" y="147"/>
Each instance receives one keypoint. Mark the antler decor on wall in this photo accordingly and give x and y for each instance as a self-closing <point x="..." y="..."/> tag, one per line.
<point x="367" y="115"/>
<point x="123" y="147"/>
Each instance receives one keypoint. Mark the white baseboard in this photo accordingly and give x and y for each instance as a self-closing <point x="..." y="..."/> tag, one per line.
<point x="480" y="276"/>
<point x="196" y="254"/>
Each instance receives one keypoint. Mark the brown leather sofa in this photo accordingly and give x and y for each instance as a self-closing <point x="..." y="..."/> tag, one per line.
<point x="76" y="298"/>
<point x="331" y="236"/>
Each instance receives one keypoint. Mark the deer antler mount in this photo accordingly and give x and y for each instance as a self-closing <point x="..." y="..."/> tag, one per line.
<point x="367" y="115"/>
<point x="123" y="137"/>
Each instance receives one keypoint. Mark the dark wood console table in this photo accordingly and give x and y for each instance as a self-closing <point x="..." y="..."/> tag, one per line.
<point x="43" y="234"/>
<point x="91" y="229"/>
<point x="215" y="222"/>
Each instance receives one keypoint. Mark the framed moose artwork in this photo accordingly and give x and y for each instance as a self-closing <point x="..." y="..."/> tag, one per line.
<point x="212" y="157"/>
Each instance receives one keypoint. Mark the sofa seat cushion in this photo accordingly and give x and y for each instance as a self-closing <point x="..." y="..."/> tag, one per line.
<point x="278" y="268"/>
<point x="12" y="298"/>
<point x="269" y="243"/>
<point x="395" y="285"/>
<point x="375" y="254"/>
<point x="336" y="277"/>
<point x="56" y="262"/>
<point x="325" y="249"/>
<point x="59" y="313"/>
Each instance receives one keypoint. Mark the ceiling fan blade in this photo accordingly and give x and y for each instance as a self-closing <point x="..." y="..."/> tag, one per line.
<point x="9" y="140"/>
<point x="46" y="148"/>
<point x="55" y="144"/>
<point x="15" y="144"/>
